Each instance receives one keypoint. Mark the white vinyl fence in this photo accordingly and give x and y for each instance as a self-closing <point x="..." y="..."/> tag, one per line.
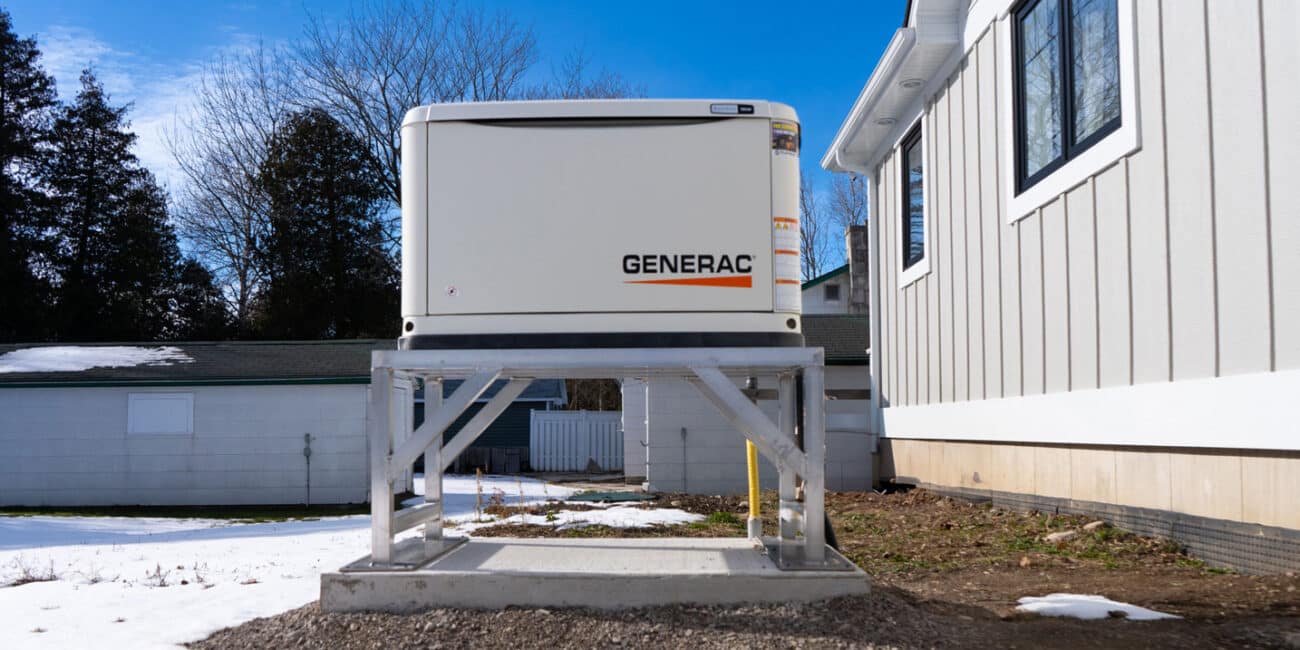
<point x="570" y="441"/>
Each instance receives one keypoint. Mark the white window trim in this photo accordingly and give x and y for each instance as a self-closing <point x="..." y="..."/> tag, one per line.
<point x="1122" y="142"/>
<point x="922" y="268"/>
<point x="133" y="398"/>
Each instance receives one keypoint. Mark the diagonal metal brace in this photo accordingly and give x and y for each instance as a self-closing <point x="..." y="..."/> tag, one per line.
<point x="749" y="419"/>
<point x="482" y="420"/>
<point x="465" y="394"/>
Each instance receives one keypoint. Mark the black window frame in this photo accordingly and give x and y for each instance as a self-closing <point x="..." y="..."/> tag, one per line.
<point x="1069" y="149"/>
<point x="826" y="292"/>
<point x="913" y="137"/>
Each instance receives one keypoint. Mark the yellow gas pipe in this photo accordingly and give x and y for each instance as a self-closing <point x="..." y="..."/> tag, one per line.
<point x="751" y="456"/>
<point x="755" y="523"/>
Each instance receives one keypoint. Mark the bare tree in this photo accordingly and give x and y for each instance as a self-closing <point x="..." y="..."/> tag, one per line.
<point x="387" y="58"/>
<point x="812" y="231"/>
<point x="594" y="394"/>
<point x="366" y="70"/>
<point x="219" y="146"/>
<point x="848" y="200"/>
<point x="572" y="80"/>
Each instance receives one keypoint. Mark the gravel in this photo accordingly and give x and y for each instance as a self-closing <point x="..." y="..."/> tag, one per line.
<point x="887" y="618"/>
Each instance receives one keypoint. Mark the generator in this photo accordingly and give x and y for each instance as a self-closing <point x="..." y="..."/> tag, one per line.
<point x="600" y="223"/>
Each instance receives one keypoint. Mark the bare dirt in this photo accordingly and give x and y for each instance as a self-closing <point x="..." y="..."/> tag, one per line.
<point x="946" y="573"/>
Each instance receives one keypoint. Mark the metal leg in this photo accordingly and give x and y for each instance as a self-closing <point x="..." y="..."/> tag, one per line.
<point x="790" y="509"/>
<point x="480" y="368"/>
<point x="381" y="486"/>
<point x="748" y="418"/>
<point x="814" y="440"/>
<point x="433" y="461"/>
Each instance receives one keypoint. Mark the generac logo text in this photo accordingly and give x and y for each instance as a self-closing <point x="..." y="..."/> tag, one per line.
<point x="697" y="266"/>
<point x="689" y="263"/>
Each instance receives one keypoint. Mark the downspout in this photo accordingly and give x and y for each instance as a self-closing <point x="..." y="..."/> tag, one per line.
<point x="873" y="284"/>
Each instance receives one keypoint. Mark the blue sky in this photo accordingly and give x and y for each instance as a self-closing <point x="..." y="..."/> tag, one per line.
<point x="814" y="57"/>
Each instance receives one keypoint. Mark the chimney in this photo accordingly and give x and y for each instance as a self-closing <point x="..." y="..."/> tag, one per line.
<point x="855" y="240"/>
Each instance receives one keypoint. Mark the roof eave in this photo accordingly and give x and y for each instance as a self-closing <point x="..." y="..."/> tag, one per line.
<point x="824" y="277"/>
<point x="885" y="105"/>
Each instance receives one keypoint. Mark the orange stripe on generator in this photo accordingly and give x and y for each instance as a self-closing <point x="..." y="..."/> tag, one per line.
<point x="738" y="281"/>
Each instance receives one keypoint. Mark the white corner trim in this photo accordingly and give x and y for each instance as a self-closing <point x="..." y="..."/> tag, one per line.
<point x="921" y="268"/>
<point x="1122" y="142"/>
<point x="1255" y="411"/>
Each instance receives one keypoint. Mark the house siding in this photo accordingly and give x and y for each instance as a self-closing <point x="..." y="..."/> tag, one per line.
<point x="1171" y="267"/>
<point x="676" y="441"/>
<point x="70" y="446"/>
<point x="814" y="297"/>
<point x="1172" y="263"/>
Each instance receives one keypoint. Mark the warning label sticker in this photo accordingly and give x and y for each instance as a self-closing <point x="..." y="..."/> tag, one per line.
<point x="785" y="138"/>
<point x="785" y="264"/>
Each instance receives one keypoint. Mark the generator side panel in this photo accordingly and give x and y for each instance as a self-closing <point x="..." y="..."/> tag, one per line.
<point x="667" y="217"/>
<point x="786" y="252"/>
<point x="415" y="220"/>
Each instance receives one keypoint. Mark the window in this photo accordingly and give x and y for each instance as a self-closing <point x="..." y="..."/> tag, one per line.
<point x="160" y="413"/>
<point x="913" y="214"/>
<point x="1067" y="82"/>
<point x="831" y="293"/>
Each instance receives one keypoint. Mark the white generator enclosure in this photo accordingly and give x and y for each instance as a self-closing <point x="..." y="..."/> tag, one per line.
<point x="610" y="223"/>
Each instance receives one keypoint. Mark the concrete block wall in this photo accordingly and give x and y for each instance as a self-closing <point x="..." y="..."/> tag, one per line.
<point x="710" y="458"/>
<point x="70" y="447"/>
<point x="634" y="429"/>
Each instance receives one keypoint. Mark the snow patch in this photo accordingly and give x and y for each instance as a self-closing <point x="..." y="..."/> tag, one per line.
<point x="613" y="517"/>
<point x="460" y="495"/>
<point x="157" y="583"/>
<point x="147" y="582"/>
<point x="74" y="358"/>
<point x="1086" y="607"/>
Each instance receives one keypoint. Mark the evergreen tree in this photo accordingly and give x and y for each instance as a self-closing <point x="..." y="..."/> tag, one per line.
<point x="329" y="274"/>
<point x="27" y="101"/>
<point x="121" y="274"/>
<point x="197" y="310"/>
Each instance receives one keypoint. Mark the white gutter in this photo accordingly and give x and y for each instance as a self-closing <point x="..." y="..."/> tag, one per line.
<point x="881" y="79"/>
<point x="913" y="66"/>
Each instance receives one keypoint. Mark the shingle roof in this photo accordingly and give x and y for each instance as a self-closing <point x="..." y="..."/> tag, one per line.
<point x="273" y="362"/>
<point x="845" y="338"/>
<point x="224" y="362"/>
<point x="839" y="270"/>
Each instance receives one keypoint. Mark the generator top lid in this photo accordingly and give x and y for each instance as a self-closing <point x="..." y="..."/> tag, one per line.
<point x="599" y="109"/>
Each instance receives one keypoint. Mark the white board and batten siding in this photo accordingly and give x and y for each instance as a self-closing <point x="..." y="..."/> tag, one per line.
<point x="570" y="441"/>
<point x="1176" y="261"/>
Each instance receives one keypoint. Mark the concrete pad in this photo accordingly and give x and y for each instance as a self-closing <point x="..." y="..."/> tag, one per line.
<point x="492" y="573"/>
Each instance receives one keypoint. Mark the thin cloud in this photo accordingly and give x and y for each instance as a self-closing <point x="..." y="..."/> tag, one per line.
<point x="157" y="92"/>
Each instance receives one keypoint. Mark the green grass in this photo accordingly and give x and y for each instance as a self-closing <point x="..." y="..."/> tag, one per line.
<point x="725" y="519"/>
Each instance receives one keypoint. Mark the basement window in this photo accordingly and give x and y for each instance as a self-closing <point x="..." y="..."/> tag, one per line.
<point x="1067" y="82"/>
<point x="165" y="413"/>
